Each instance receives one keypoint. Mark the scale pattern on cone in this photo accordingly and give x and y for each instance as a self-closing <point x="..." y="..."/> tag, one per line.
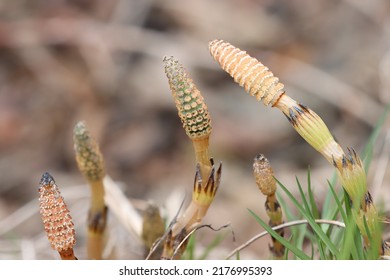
<point x="55" y="215"/>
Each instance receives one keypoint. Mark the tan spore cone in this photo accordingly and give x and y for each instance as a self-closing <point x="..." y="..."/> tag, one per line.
<point x="56" y="218"/>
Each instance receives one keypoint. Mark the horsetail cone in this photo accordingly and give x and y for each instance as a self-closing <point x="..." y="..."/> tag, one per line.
<point x="190" y="104"/>
<point x="55" y="215"/>
<point x="264" y="175"/>
<point x="266" y="183"/>
<point x="192" y="111"/>
<point x="88" y="155"/>
<point x="247" y="71"/>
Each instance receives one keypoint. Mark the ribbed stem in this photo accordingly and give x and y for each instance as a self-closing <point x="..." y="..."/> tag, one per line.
<point x="192" y="110"/>
<point x="196" y="121"/>
<point x="91" y="165"/>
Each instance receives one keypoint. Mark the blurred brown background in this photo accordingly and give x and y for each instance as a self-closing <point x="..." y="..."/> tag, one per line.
<point x="101" y="61"/>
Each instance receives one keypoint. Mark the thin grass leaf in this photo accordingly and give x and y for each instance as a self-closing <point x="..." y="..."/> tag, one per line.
<point x="372" y="252"/>
<point x="189" y="253"/>
<point x="309" y="211"/>
<point x="300" y="254"/>
<point x="367" y="228"/>
<point x="315" y="212"/>
<point x="369" y="254"/>
<point x="286" y="210"/>
<point x="321" y="250"/>
<point x="301" y="236"/>
<point x="298" y="232"/>
<point x="338" y="235"/>
<point x="352" y="247"/>
<point x="337" y="208"/>
<point x="328" y="206"/>
<point x="313" y="205"/>
<point x="286" y="249"/>
<point x="303" y="196"/>
<point x="339" y="204"/>
<point x="315" y="240"/>
<point x="312" y="250"/>
<point x="317" y="229"/>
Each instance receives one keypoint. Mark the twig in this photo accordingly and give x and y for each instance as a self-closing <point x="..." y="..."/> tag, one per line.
<point x="192" y="231"/>
<point x="285" y="225"/>
<point x="120" y="205"/>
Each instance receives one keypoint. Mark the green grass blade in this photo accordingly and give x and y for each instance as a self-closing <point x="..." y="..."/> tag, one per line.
<point x="313" y="204"/>
<point x="328" y="206"/>
<point x="337" y="235"/>
<point x="312" y="250"/>
<point x="309" y="211"/>
<point x="317" y="229"/>
<point x="287" y="250"/>
<point x="189" y="253"/>
<point x="321" y="249"/>
<point x="297" y="232"/>
<point x="352" y="247"/>
<point x="375" y="239"/>
<point x="338" y="203"/>
<point x="300" y="254"/>
<point x="336" y="209"/>
<point x="303" y="197"/>
<point x="349" y="250"/>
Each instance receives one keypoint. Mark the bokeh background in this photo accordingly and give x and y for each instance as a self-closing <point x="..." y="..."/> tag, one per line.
<point x="101" y="62"/>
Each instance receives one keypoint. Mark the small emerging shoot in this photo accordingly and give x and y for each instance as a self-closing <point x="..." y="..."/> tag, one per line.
<point x="152" y="229"/>
<point x="265" y="180"/>
<point x="91" y="165"/>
